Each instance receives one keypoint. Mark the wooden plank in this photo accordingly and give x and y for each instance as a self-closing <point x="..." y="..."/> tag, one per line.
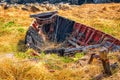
<point x="105" y="61"/>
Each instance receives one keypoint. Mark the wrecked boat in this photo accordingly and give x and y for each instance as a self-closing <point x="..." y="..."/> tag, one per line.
<point x="74" y="36"/>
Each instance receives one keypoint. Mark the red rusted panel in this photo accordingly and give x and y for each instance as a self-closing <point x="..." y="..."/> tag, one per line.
<point x="92" y="36"/>
<point x="76" y="29"/>
<point x="97" y="37"/>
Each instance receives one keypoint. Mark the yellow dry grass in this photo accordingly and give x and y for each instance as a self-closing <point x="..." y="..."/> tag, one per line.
<point x="16" y="70"/>
<point x="47" y="68"/>
<point x="104" y="17"/>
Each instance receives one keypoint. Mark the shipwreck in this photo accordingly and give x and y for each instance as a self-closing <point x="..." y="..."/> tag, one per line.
<point x="74" y="36"/>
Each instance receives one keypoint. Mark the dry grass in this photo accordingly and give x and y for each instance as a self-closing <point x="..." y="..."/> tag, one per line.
<point x="104" y="17"/>
<point x="49" y="67"/>
<point x="17" y="70"/>
<point x="14" y="23"/>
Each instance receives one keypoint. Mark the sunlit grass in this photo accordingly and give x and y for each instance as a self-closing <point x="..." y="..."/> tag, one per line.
<point x="13" y="26"/>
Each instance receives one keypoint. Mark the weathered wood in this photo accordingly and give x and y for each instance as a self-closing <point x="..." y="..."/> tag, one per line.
<point x="73" y="43"/>
<point x="105" y="61"/>
<point x="43" y="15"/>
<point x="91" y="58"/>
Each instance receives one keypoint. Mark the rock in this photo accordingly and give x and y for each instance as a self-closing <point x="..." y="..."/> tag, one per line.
<point x="99" y="77"/>
<point x="43" y="9"/>
<point x="36" y="4"/>
<point x="27" y="4"/>
<point x="50" y="7"/>
<point x="6" y="6"/>
<point x="114" y="66"/>
<point x="51" y="71"/>
<point x="42" y="5"/>
<point x="1" y="4"/>
<point x="46" y="2"/>
<point x="34" y="9"/>
<point x="16" y="6"/>
<point x="25" y="9"/>
<point x="64" y="6"/>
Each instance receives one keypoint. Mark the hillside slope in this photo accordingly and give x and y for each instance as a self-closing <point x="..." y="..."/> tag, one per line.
<point x="14" y="22"/>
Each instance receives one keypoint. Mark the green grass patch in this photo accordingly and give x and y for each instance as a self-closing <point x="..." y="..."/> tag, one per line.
<point x="21" y="55"/>
<point x="12" y="36"/>
<point x="9" y="24"/>
<point x="21" y="30"/>
<point x="67" y="59"/>
<point x="78" y="56"/>
<point x="27" y="54"/>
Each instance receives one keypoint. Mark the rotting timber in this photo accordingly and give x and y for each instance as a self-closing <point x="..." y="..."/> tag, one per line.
<point x="75" y="37"/>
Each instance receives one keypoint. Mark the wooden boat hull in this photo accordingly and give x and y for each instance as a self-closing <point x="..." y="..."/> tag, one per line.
<point x="58" y="28"/>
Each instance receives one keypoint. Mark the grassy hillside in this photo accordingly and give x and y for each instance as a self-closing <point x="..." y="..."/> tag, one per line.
<point x="14" y="23"/>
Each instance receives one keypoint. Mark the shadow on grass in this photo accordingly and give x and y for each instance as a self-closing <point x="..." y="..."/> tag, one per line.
<point x="21" y="47"/>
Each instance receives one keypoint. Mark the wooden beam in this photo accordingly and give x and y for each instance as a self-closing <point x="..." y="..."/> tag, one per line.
<point x="105" y="61"/>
